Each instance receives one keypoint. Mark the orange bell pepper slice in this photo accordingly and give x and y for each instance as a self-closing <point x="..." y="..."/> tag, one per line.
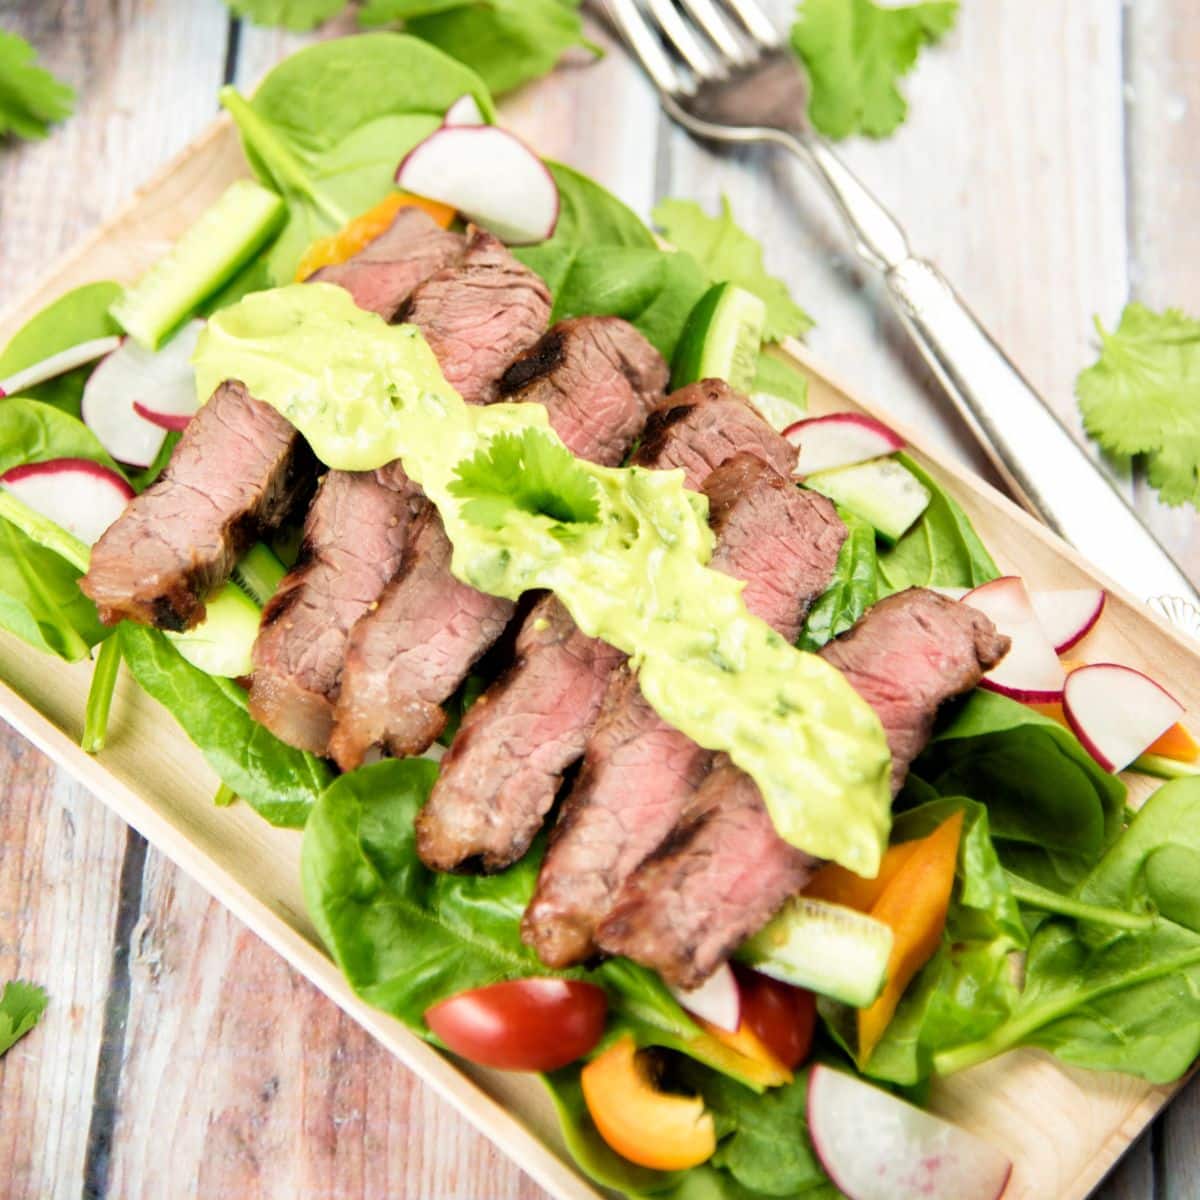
<point x="354" y="236"/>
<point x="914" y="904"/>
<point x="1176" y="743"/>
<point x="744" y="1053"/>
<point x="837" y="885"/>
<point x="661" y="1130"/>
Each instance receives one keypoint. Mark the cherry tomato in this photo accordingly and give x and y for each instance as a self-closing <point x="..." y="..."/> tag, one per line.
<point x="522" y="1025"/>
<point x="780" y="1015"/>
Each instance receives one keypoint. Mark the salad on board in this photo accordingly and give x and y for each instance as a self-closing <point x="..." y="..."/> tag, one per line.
<point x="645" y="733"/>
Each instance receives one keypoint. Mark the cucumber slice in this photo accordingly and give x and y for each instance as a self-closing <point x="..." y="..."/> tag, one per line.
<point x="223" y="240"/>
<point x="721" y="339"/>
<point x="259" y="573"/>
<point x="221" y="643"/>
<point x="827" y="948"/>
<point x="882" y="491"/>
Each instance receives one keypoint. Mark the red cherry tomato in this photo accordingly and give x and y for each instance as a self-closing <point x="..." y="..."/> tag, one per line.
<point x="780" y="1015"/>
<point x="522" y="1025"/>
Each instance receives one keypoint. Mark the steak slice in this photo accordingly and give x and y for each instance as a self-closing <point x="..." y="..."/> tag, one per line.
<point x="239" y="469"/>
<point x="354" y="539"/>
<point x="724" y="872"/>
<point x="639" y="772"/>
<point x="599" y="377"/>
<point x="478" y="315"/>
<point x="383" y="274"/>
<point x="391" y="692"/>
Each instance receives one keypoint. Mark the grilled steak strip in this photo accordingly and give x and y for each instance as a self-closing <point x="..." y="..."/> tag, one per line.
<point x="639" y="772"/>
<point x="239" y="469"/>
<point x="382" y="275"/>
<point x="599" y="377"/>
<point x="724" y="872"/>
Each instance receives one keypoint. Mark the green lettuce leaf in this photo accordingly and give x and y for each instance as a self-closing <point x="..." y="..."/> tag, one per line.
<point x="298" y="15"/>
<point x="855" y="52"/>
<point x="278" y="781"/>
<point x="21" y="1007"/>
<point x="1142" y="396"/>
<point x="727" y="253"/>
<point x="31" y="99"/>
<point x="853" y="589"/>
<point x="780" y="391"/>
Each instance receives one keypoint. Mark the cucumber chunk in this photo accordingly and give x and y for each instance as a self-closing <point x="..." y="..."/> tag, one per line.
<point x="222" y="241"/>
<point x="221" y="643"/>
<point x="259" y="573"/>
<point x="882" y="491"/>
<point x="721" y="339"/>
<point x="826" y="948"/>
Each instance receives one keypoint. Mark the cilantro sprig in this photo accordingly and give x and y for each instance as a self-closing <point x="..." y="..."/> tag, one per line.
<point x="1142" y="396"/>
<point x="21" y="1007"/>
<point x="31" y="99"/>
<point x="527" y="472"/>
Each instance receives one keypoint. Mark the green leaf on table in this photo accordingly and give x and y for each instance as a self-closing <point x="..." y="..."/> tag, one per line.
<point x="506" y="42"/>
<point x="21" y="1007"/>
<point x="297" y="15"/>
<point x="727" y="253"/>
<point x="1142" y="396"/>
<point x="853" y="589"/>
<point x="855" y="52"/>
<point x="281" y="783"/>
<point x="31" y="99"/>
<point x="329" y="125"/>
<point x="528" y="472"/>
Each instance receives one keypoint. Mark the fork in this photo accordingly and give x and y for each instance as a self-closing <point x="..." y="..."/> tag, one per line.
<point x="724" y="72"/>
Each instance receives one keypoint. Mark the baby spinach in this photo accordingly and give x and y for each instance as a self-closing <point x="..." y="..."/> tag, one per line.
<point x="279" y="782"/>
<point x="328" y="127"/>
<point x="853" y="589"/>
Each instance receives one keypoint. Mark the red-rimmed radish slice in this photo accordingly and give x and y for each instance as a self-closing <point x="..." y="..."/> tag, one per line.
<point x="1030" y="670"/>
<point x="464" y="111"/>
<point x="718" y="999"/>
<point x="876" y="1146"/>
<point x="58" y="364"/>
<point x="489" y="175"/>
<point x="172" y="422"/>
<point x="1117" y="712"/>
<point x="160" y="381"/>
<point x="82" y="496"/>
<point x="1068" y="615"/>
<point x="840" y="440"/>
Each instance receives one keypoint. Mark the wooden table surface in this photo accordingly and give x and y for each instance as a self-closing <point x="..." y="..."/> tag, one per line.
<point x="1049" y="166"/>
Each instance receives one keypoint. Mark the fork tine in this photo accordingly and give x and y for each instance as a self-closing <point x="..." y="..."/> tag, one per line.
<point x="645" y="44"/>
<point x="689" y="46"/>
<point x="756" y="22"/>
<point x="708" y="16"/>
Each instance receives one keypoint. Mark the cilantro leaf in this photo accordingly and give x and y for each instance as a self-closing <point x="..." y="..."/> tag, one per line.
<point x="527" y="472"/>
<point x="728" y="253"/>
<point x="30" y="97"/>
<point x="855" y="52"/>
<point x="298" y="15"/>
<point x="21" y="1007"/>
<point x="1142" y="396"/>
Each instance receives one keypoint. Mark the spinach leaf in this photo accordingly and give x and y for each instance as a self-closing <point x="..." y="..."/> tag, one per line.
<point x="1053" y="810"/>
<point x="78" y="316"/>
<point x="328" y="127"/>
<point x="279" y="782"/>
<point x="940" y="550"/>
<point x="1119" y="1000"/>
<point x="780" y="391"/>
<point x="853" y="589"/>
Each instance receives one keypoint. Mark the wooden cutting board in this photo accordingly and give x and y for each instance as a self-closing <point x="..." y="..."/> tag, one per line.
<point x="1063" y="1127"/>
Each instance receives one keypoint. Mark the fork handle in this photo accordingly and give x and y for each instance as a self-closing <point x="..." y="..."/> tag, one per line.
<point x="1047" y="470"/>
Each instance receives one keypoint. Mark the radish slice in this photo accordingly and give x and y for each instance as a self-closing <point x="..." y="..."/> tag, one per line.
<point x="82" y="496"/>
<point x="718" y="1000"/>
<point x="952" y="593"/>
<point x="1067" y="616"/>
<point x="464" y="111"/>
<point x="876" y="1146"/>
<point x="161" y="382"/>
<point x="58" y="364"/>
<point x="1030" y="670"/>
<point x="169" y="421"/>
<point x="1117" y="712"/>
<point x="840" y="440"/>
<point x="490" y="176"/>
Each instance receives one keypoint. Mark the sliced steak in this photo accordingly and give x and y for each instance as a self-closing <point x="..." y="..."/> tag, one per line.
<point x="239" y="469"/>
<point x="354" y="539"/>
<point x="383" y="274"/>
<point x="595" y="377"/>
<point x="478" y="315"/>
<point x="638" y="772"/>
<point x="724" y="872"/>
